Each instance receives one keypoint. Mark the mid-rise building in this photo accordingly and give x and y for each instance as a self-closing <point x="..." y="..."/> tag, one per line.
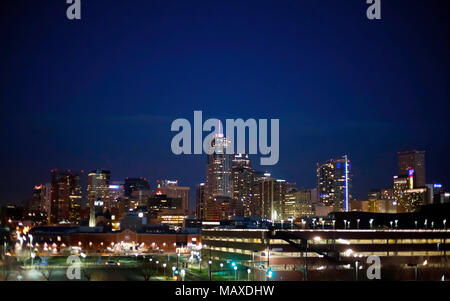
<point x="172" y="190"/>
<point x="200" y="201"/>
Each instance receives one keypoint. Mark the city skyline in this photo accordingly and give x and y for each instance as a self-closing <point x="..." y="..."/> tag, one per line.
<point x="84" y="179"/>
<point x="113" y="108"/>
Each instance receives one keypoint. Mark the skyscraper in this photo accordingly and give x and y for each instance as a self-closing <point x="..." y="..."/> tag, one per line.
<point x="66" y="197"/>
<point x="334" y="183"/>
<point x="412" y="160"/>
<point x="200" y="201"/>
<point x="242" y="182"/>
<point x="98" y="193"/>
<point x="219" y="181"/>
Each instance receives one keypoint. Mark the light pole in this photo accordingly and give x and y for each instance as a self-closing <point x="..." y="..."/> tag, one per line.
<point x="425" y="223"/>
<point x="356" y="270"/>
<point x="334" y="224"/>
<point x="164" y="268"/>
<point x="391" y="222"/>
<point x="31" y="248"/>
<point x="357" y="223"/>
<point x="345" y="224"/>
<point x="349" y="224"/>
<point x="248" y="272"/>
<point x="371" y="223"/>
<point x="157" y="266"/>
<point x="178" y="256"/>
<point x="396" y="224"/>
<point x="221" y="267"/>
<point x="415" y="223"/>
<point x="182" y="273"/>
<point x="173" y="271"/>
<point x="323" y="224"/>
<point x="444" y="221"/>
<point x="210" y="272"/>
<point x="235" y="273"/>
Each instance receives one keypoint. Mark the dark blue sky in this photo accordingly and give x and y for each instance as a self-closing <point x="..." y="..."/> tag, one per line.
<point x="102" y="92"/>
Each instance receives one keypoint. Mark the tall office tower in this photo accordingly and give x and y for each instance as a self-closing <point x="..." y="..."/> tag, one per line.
<point x="98" y="193"/>
<point x="242" y="183"/>
<point x="266" y="193"/>
<point x="298" y="204"/>
<point x="66" y="197"/>
<point x="38" y="207"/>
<point x="200" y="201"/>
<point x="219" y="181"/>
<point x="279" y="194"/>
<point x="412" y="160"/>
<point x="135" y="184"/>
<point x="334" y="183"/>
<point x="172" y="190"/>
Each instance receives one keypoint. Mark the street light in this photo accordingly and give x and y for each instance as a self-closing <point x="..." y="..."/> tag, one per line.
<point x="444" y="221"/>
<point x="345" y="224"/>
<point x="235" y="273"/>
<point x="248" y="272"/>
<point x="164" y="269"/>
<point x="391" y="222"/>
<point x="371" y="222"/>
<point x="425" y="223"/>
<point x="396" y="224"/>
<point x="182" y="272"/>
<point x="210" y="272"/>
<point x="334" y="224"/>
<point x="356" y="270"/>
<point x="357" y="223"/>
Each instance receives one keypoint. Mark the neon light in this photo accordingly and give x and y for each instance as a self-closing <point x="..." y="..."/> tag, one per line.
<point x="113" y="186"/>
<point x="437" y="186"/>
<point x="346" y="184"/>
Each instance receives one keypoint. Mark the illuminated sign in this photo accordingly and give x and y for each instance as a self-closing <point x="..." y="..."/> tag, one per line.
<point x="410" y="172"/>
<point x="114" y="186"/>
<point x="437" y="186"/>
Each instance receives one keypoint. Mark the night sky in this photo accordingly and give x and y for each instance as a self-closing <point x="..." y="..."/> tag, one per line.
<point x="102" y="92"/>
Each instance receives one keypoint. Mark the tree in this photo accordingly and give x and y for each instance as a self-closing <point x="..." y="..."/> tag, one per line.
<point x="146" y="270"/>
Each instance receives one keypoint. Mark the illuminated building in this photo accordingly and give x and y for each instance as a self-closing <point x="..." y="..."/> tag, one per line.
<point x="162" y="203"/>
<point x="243" y="178"/>
<point x="98" y="193"/>
<point x="334" y="183"/>
<point x="38" y="209"/>
<point x="268" y="195"/>
<point x="200" y="201"/>
<point x="66" y="197"/>
<point x="297" y="204"/>
<point x="412" y="160"/>
<point x="333" y="250"/>
<point x="172" y="190"/>
<point x="219" y="181"/>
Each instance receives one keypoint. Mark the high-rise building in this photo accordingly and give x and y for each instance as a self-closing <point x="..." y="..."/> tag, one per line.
<point x="66" y="197"/>
<point x="200" y="201"/>
<point x="38" y="208"/>
<point x="334" y="182"/>
<point x="243" y="178"/>
<point x="412" y="161"/>
<point x="266" y="193"/>
<point x="219" y="181"/>
<point x="98" y="193"/>
<point x="172" y="190"/>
